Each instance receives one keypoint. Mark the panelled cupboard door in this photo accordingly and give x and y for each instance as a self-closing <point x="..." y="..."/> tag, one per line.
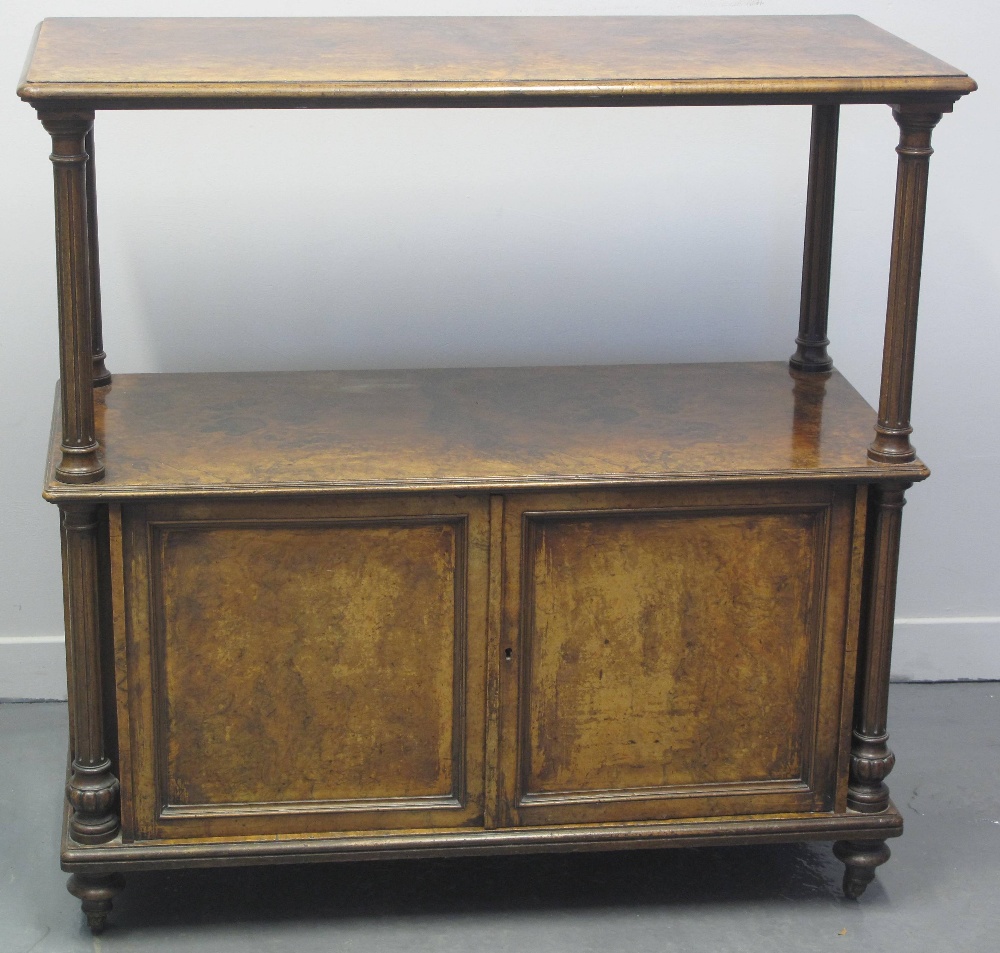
<point x="301" y="666"/>
<point x="684" y="652"/>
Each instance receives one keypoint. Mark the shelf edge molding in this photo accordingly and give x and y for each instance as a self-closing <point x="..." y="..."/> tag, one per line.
<point x="357" y="62"/>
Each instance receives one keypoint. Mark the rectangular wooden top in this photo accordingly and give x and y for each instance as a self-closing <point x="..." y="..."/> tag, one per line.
<point x="143" y="63"/>
<point x="481" y="428"/>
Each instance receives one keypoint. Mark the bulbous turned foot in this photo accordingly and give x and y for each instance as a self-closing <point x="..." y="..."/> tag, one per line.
<point x="860" y="858"/>
<point x="96" y="893"/>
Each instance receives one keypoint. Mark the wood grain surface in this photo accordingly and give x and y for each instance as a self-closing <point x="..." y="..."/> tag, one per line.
<point x="143" y="62"/>
<point x="658" y="659"/>
<point x="404" y="613"/>
<point x="309" y="666"/>
<point x="329" y="431"/>
<point x="667" y="649"/>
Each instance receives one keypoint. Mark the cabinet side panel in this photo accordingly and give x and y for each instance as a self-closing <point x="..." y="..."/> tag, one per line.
<point x="141" y="793"/>
<point x="852" y="635"/>
<point x="119" y="623"/>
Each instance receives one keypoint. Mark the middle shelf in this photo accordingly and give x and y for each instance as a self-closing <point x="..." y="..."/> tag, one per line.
<point x="503" y="428"/>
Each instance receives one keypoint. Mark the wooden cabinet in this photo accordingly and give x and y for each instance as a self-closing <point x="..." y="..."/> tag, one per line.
<point x="354" y="614"/>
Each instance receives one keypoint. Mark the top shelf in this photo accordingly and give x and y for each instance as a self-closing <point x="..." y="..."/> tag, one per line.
<point x="182" y="63"/>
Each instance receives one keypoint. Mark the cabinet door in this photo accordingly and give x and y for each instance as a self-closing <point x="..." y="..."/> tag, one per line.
<point x="295" y="667"/>
<point x="684" y="652"/>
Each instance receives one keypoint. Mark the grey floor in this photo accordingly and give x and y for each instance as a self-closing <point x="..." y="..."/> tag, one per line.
<point x="940" y="892"/>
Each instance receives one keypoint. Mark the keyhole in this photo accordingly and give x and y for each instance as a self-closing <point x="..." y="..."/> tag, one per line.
<point x="507" y="654"/>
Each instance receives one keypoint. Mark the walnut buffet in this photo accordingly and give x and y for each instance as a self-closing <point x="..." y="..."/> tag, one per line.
<point x="344" y="615"/>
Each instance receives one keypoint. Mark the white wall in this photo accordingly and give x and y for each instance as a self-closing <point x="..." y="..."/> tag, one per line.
<point x="437" y="238"/>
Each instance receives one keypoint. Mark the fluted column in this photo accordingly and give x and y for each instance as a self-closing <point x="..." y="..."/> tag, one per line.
<point x="892" y="432"/>
<point x="80" y="462"/>
<point x="812" y="342"/>
<point x="871" y="759"/>
<point x="92" y="789"/>
<point x="102" y="376"/>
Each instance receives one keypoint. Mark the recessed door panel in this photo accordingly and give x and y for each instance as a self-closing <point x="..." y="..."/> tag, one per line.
<point x="315" y="667"/>
<point x="675" y="653"/>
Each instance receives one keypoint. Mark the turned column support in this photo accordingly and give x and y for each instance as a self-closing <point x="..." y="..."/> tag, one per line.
<point x="871" y="759"/>
<point x="80" y="462"/>
<point x="892" y="432"/>
<point x="102" y="376"/>
<point x="812" y="342"/>
<point x="92" y="790"/>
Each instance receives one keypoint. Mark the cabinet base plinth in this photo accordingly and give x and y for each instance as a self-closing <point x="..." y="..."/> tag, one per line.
<point x="119" y="857"/>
